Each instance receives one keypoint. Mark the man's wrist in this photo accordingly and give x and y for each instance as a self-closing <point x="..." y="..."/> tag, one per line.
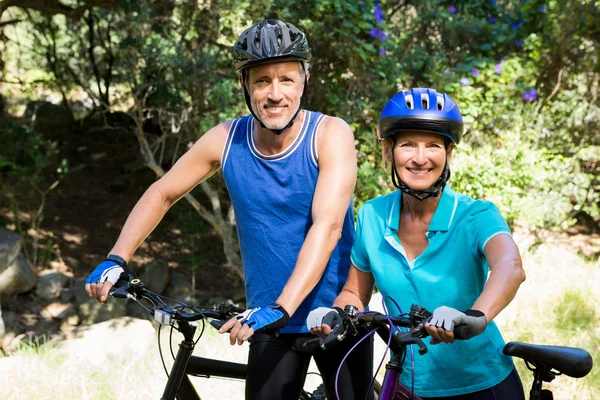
<point x="117" y="259"/>
<point x="279" y="307"/>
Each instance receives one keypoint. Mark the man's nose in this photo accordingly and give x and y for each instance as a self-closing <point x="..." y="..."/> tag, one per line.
<point x="275" y="93"/>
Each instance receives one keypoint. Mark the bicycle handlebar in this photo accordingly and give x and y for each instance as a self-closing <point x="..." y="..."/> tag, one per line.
<point x="415" y="322"/>
<point x="164" y="314"/>
<point x="353" y="320"/>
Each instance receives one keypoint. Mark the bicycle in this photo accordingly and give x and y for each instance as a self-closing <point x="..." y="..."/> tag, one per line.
<point x="546" y="362"/>
<point x="182" y="318"/>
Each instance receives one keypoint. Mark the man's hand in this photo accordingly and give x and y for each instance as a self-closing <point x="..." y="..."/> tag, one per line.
<point x="268" y="318"/>
<point x="446" y="319"/>
<point x="106" y="274"/>
<point x="322" y="320"/>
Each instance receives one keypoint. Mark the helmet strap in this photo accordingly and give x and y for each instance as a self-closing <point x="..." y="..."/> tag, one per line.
<point x="433" y="191"/>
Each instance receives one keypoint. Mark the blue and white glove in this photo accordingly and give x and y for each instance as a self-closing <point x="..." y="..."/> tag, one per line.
<point x="331" y="317"/>
<point x="468" y="323"/>
<point x="111" y="270"/>
<point x="268" y="318"/>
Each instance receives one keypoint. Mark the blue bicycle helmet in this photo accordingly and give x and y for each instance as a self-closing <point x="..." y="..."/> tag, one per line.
<point x="421" y="109"/>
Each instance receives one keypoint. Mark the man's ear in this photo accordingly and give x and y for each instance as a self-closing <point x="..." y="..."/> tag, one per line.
<point x="242" y="80"/>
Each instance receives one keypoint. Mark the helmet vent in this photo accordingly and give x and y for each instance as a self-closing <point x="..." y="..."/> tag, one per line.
<point x="409" y="101"/>
<point x="425" y="101"/>
<point x="440" y="102"/>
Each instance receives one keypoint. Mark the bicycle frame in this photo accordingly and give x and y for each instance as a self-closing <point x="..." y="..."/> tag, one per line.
<point x="390" y="386"/>
<point x="179" y="384"/>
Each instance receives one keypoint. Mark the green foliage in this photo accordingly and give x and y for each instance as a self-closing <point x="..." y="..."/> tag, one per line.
<point x="525" y="75"/>
<point x="28" y="154"/>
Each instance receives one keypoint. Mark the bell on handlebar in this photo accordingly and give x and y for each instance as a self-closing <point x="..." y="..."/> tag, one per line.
<point x="136" y="286"/>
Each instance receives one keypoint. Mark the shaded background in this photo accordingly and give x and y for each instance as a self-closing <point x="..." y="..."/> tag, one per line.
<point x="98" y="98"/>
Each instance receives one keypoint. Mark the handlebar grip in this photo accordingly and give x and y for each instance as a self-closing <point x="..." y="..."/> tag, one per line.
<point x="462" y="332"/>
<point x="217" y="324"/>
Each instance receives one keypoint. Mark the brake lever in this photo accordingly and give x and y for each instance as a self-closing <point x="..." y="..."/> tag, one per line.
<point x="120" y="293"/>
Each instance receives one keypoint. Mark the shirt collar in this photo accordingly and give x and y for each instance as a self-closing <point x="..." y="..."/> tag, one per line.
<point x="442" y="217"/>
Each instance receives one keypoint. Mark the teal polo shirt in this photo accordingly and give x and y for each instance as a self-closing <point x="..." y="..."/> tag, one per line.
<point x="452" y="271"/>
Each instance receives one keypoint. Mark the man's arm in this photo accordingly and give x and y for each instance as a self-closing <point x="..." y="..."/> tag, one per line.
<point x="195" y="166"/>
<point x="333" y="194"/>
<point x="506" y="275"/>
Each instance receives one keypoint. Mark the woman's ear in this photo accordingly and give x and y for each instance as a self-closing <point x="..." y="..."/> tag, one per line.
<point x="449" y="149"/>
<point x="387" y="152"/>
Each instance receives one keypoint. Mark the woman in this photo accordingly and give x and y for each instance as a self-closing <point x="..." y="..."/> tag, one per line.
<point x="429" y="245"/>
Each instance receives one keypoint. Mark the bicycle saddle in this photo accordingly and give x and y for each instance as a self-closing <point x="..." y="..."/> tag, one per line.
<point x="570" y="361"/>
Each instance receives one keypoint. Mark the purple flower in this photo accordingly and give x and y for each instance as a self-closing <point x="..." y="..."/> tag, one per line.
<point x="378" y="14"/>
<point x="515" y="25"/>
<point x="382" y="52"/>
<point x="464" y="81"/>
<point x="518" y="43"/>
<point x="498" y="68"/>
<point x="493" y="3"/>
<point x="530" y="95"/>
<point x="446" y="71"/>
<point x="452" y="9"/>
<point x="543" y="9"/>
<point x="492" y="20"/>
<point x="474" y="72"/>
<point x="375" y="32"/>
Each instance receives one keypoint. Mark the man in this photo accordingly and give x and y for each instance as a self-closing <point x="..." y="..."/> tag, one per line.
<point x="290" y="175"/>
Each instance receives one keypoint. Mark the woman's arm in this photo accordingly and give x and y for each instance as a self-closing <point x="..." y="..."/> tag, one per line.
<point x="506" y="275"/>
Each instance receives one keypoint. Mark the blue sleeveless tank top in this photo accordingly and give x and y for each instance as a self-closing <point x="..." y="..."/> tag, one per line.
<point x="272" y="199"/>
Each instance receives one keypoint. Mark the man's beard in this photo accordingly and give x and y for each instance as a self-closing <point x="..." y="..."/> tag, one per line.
<point x="280" y="125"/>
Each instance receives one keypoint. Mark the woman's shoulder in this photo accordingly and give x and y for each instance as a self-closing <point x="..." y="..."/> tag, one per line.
<point x="383" y="202"/>
<point x="473" y="206"/>
<point x="379" y="208"/>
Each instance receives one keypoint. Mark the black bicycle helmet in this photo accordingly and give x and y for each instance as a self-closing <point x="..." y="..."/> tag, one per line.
<point x="421" y="109"/>
<point x="267" y="40"/>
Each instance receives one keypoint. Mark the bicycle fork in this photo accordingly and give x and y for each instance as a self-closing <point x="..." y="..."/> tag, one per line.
<point x="186" y="347"/>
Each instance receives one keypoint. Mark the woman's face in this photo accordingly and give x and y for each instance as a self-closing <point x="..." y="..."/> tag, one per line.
<point x="420" y="158"/>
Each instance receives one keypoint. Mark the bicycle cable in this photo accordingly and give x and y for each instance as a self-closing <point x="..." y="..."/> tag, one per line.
<point x="412" y="354"/>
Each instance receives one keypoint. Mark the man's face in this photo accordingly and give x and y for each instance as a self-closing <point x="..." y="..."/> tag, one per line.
<point x="275" y="90"/>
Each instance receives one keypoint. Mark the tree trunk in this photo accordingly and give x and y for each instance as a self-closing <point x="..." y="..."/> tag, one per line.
<point x="224" y="226"/>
